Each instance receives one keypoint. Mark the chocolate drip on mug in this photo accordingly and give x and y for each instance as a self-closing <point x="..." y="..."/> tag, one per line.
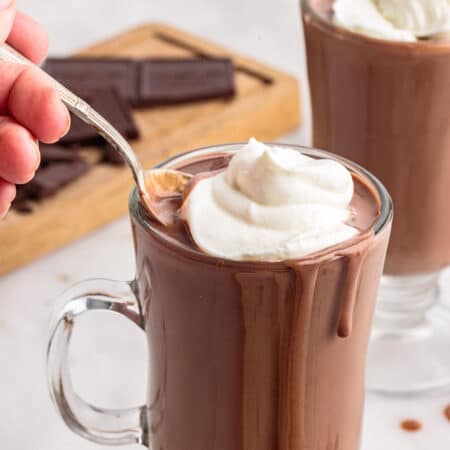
<point x="265" y="308"/>
<point x="355" y="261"/>
<point x="306" y="282"/>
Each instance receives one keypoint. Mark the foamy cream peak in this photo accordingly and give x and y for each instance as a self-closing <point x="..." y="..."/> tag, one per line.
<point x="271" y="203"/>
<point x="397" y="20"/>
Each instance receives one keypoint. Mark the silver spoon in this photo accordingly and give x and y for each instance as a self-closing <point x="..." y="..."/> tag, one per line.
<point x="88" y="115"/>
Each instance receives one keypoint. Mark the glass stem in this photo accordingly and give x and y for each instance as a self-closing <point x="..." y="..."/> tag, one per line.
<point x="403" y="302"/>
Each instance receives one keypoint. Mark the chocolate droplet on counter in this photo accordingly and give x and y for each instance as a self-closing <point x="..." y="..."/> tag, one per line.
<point x="447" y="413"/>
<point x="63" y="277"/>
<point x="411" y="425"/>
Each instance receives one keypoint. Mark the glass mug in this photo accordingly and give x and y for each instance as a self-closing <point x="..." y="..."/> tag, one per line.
<point x="235" y="356"/>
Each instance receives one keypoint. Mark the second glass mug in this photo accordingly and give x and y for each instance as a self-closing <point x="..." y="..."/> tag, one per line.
<point x="226" y="365"/>
<point x="384" y="104"/>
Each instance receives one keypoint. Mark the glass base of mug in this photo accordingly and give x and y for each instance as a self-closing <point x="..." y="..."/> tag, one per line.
<point x="409" y="352"/>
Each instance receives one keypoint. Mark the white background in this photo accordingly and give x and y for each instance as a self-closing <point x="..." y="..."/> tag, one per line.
<point x="110" y="359"/>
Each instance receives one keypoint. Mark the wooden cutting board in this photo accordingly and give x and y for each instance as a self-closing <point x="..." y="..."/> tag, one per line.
<point x="266" y="106"/>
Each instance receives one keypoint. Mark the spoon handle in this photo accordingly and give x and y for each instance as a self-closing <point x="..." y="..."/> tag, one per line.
<point x="87" y="114"/>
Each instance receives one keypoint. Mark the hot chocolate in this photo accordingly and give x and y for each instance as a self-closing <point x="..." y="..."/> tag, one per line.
<point x="253" y="354"/>
<point x="246" y="353"/>
<point x="384" y="104"/>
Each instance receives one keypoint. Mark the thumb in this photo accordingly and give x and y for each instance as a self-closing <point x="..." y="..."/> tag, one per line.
<point x="7" y="12"/>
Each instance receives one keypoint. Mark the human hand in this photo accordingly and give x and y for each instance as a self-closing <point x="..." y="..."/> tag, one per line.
<point x="30" y="109"/>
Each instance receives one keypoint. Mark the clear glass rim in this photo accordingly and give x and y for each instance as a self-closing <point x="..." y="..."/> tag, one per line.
<point x="418" y="46"/>
<point x="139" y="214"/>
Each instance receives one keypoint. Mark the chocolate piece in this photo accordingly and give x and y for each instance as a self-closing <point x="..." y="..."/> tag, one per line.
<point x="59" y="167"/>
<point x="118" y="112"/>
<point x="22" y="203"/>
<point x="87" y="75"/>
<point x="112" y="156"/>
<point x="23" y="206"/>
<point x="80" y="133"/>
<point x="111" y="106"/>
<point x="447" y="413"/>
<point x="56" y="153"/>
<point x="170" y="81"/>
<point x="54" y="176"/>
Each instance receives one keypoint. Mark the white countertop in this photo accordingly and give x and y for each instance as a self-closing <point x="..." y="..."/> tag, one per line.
<point x="266" y="29"/>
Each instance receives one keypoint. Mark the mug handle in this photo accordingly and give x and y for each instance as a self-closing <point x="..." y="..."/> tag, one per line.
<point x="103" y="426"/>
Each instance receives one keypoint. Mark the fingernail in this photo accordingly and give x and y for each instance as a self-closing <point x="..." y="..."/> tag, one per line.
<point x="6" y="4"/>
<point x="38" y="155"/>
<point x="68" y="123"/>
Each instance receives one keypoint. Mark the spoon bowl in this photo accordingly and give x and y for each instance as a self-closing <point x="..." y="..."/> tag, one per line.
<point x="164" y="185"/>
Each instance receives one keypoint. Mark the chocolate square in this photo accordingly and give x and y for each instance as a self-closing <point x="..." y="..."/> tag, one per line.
<point x="170" y="81"/>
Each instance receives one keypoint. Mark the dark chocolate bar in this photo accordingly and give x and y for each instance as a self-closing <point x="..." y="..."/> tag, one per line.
<point x="147" y="82"/>
<point x="111" y="106"/>
<point x="171" y="81"/>
<point x="84" y="76"/>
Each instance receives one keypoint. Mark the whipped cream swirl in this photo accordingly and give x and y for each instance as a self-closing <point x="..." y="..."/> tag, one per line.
<point x="270" y="203"/>
<point x="398" y="20"/>
<point x="420" y="17"/>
